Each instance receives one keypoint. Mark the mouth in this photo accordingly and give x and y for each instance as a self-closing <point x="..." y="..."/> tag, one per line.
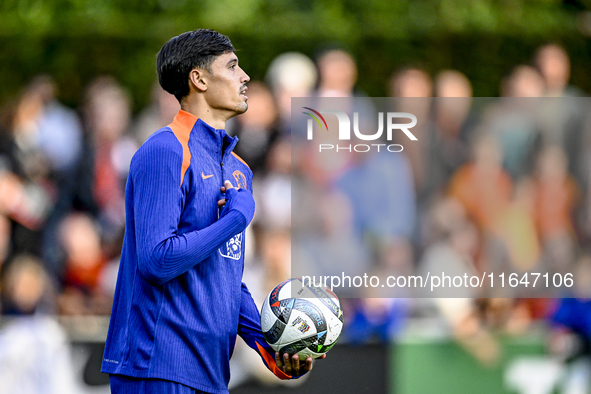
<point x="243" y="92"/>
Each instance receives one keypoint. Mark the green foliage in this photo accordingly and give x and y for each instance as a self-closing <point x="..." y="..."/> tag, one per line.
<point x="74" y="40"/>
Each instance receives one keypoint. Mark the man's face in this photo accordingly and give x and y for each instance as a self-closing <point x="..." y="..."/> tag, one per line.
<point x="226" y="84"/>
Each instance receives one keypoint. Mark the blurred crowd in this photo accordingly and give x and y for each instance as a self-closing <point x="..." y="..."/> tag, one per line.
<point x="507" y="189"/>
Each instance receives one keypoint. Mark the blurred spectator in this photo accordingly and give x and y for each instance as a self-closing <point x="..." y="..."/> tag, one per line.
<point x="413" y="89"/>
<point x="273" y="190"/>
<point x="85" y="264"/>
<point x="443" y="215"/>
<point x="393" y="258"/>
<point x="562" y="120"/>
<point x="482" y="186"/>
<point x="380" y="179"/>
<point x="44" y="125"/>
<point x="556" y="198"/>
<point x="321" y="169"/>
<point x="291" y="74"/>
<point x="454" y="253"/>
<point x="159" y="113"/>
<point x="101" y="172"/>
<point x="372" y="319"/>
<point x="448" y="148"/>
<point x="515" y="230"/>
<point x="524" y="81"/>
<point x="337" y="77"/>
<point x="512" y="120"/>
<point x="332" y="246"/>
<point x="26" y="288"/>
<point x="452" y="83"/>
<point x="107" y="114"/>
<point x="375" y="317"/>
<point x="513" y="316"/>
<point x="554" y="64"/>
<point x="513" y="246"/>
<point x="337" y="74"/>
<point x="455" y="249"/>
<point x="39" y="156"/>
<point x="276" y="258"/>
<point x="556" y="194"/>
<point x="256" y="127"/>
<point x="34" y="352"/>
<point x="411" y="82"/>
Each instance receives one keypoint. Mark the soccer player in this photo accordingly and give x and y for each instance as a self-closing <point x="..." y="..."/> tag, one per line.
<point x="180" y="300"/>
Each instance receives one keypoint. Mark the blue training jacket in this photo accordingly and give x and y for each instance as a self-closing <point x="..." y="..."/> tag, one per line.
<point x="180" y="300"/>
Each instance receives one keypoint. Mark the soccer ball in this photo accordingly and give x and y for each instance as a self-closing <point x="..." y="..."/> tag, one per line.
<point x="308" y="325"/>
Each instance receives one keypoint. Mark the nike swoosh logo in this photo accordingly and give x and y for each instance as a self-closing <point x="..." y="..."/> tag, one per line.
<point x="205" y="176"/>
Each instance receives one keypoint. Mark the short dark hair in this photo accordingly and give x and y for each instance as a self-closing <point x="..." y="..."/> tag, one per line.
<point x="183" y="53"/>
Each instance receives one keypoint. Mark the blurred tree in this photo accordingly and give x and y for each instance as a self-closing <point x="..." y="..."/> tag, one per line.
<point x="75" y="40"/>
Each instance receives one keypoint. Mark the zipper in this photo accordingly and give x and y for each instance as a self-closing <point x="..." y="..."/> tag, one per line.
<point x="222" y="181"/>
<point x="223" y="153"/>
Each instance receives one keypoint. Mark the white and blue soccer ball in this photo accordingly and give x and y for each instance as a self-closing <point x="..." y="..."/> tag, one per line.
<point x="303" y="320"/>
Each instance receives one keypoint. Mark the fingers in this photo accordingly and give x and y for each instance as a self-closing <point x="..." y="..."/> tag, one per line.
<point x="223" y="189"/>
<point x="291" y="365"/>
<point x="228" y="185"/>
<point x="286" y="364"/>
<point x="295" y="364"/>
<point x="278" y="361"/>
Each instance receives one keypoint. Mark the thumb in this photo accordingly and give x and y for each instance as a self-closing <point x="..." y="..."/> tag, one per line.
<point x="228" y="185"/>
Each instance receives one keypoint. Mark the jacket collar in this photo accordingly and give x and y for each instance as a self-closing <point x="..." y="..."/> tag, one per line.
<point x="213" y="140"/>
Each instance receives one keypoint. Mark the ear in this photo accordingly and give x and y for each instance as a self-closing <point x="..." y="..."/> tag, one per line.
<point x="196" y="77"/>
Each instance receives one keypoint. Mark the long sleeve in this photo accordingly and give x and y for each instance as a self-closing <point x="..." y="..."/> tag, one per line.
<point x="249" y="328"/>
<point x="163" y="254"/>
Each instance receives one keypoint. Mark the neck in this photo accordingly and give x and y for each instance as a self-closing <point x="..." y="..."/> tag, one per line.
<point x="215" y="119"/>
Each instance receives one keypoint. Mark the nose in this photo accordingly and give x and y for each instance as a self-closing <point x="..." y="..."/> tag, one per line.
<point x="245" y="78"/>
